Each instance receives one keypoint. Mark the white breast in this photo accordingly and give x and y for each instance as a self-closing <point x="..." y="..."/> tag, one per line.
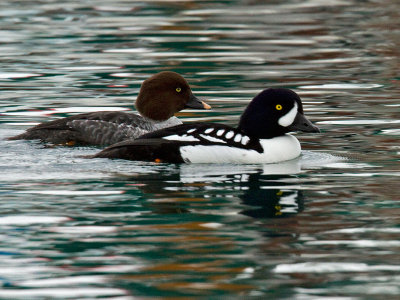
<point x="276" y="150"/>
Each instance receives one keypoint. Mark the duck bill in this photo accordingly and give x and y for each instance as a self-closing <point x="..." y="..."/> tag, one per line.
<point x="196" y="103"/>
<point x="301" y="123"/>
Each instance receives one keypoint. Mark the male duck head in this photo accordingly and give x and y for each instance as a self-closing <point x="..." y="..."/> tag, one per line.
<point x="274" y="112"/>
<point x="164" y="94"/>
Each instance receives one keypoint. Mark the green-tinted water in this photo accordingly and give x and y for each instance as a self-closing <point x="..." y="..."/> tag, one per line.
<point x="325" y="225"/>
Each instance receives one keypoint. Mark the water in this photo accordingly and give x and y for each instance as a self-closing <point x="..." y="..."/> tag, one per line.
<point x="324" y="225"/>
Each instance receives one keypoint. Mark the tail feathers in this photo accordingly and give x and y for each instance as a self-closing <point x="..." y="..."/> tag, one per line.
<point x="17" y="137"/>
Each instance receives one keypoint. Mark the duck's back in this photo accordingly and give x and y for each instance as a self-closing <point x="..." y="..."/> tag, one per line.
<point x="96" y="128"/>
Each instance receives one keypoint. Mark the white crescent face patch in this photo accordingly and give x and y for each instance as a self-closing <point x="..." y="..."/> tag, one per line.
<point x="289" y="117"/>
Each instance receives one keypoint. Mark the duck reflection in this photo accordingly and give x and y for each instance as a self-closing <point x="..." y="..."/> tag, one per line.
<point x="263" y="193"/>
<point x="269" y="202"/>
<point x="257" y="186"/>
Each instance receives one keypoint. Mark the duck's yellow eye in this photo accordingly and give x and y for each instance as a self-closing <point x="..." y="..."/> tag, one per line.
<point x="278" y="107"/>
<point x="178" y="89"/>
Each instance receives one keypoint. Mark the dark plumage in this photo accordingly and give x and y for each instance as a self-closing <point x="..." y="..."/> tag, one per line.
<point x="261" y="136"/>
<point x="160" y="97"/>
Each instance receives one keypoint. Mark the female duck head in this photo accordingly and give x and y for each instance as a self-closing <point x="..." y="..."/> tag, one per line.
<point x="164" y="94"/>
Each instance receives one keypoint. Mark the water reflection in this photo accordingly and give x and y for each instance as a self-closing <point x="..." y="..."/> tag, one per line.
<point x="270" y="202"/>
<point x="170" y="192"/>
<point x="184" y="220"/>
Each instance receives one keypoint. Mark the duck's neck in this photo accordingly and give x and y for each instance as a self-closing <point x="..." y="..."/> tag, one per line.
<point x="173" y="121"/>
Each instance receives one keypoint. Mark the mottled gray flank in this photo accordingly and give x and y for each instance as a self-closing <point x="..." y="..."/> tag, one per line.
<point x="101" y="132"/>
<point x="98" y="128"/>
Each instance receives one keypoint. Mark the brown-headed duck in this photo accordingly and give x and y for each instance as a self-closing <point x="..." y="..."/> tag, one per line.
<point x="160" y="97"/>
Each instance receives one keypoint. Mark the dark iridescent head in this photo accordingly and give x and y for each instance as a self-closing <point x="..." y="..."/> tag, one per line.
<point x="275" y="112"/>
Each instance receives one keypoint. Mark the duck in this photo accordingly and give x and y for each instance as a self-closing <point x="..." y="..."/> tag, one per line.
<point x="262" y="136"/>
<point x="160" y="97"/>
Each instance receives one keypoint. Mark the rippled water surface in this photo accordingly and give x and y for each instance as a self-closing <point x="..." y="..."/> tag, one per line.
<point x="324" y="225"/>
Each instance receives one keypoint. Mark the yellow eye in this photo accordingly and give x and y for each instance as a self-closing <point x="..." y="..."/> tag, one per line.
<point x="178" y="89"/>
<point x="278" y="107"/>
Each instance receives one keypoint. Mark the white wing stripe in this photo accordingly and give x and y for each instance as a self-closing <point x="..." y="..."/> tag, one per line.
<point x="182" y="138"/>
<point x="212" y="139"/>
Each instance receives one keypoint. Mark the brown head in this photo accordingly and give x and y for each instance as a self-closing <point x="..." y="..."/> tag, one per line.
<point x="164" y="94"/>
